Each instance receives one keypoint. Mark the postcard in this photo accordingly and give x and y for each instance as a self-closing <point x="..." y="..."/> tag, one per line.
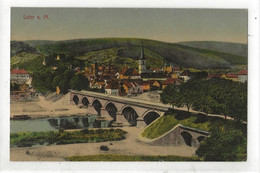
<point x="119" y="85"/>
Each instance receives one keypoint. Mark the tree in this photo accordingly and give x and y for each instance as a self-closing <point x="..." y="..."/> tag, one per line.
<point x="79" y="82"/>
<point x="171" y="95"/>
<point x="62" y="81"/>
<point x="225" y="143"/>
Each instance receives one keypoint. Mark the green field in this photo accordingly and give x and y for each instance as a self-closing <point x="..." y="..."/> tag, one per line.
<point x="111" y="157"/>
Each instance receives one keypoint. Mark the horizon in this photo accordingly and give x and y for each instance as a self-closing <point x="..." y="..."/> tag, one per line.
<point x="166" y="25"/>
<point x="129" y="38"/>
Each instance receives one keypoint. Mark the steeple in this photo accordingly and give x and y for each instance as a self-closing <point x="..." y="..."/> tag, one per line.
<point x="142" y="61"/>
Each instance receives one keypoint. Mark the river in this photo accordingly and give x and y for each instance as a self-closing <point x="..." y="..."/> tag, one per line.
<point x="50" y="124"/>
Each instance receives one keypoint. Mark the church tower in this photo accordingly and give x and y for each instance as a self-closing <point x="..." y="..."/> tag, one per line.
<point x="142" y="61"/>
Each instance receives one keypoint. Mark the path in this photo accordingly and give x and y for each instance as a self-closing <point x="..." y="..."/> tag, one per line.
<point x="129" y="146"/>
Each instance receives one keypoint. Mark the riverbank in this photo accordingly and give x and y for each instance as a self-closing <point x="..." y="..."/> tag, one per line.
<point x="43" y="108"/>
<point x="129" y="146"/>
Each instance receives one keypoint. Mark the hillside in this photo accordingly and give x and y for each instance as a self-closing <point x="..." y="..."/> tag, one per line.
<point x="119" y="51"/>
<point x="19" y="46"/>
<point x="226" y="47"/>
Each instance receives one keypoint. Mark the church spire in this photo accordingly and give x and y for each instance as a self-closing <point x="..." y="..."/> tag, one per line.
<point x="142" y="61"/>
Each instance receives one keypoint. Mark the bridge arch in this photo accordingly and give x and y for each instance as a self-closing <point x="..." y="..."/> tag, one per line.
<point x="126" y="106"/>
<point x="97" y="105"/>
<point x="111" y="109"/>
<point x="85" y="101"/>
<point x="150" y="116"/>
<point x="187" y="137"/>
<point x="76" y="99"/>
<point x="130" y="115"/>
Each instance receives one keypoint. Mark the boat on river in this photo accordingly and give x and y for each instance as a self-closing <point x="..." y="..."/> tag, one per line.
<point x="20" y="117"/>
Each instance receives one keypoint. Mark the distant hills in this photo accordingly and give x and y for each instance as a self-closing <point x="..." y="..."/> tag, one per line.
<point x="226" y="47"/>
<point x="120" y="51"/>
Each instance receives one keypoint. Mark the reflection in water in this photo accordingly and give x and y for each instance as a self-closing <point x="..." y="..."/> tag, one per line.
<point x="77" y="122"/>
<point x="48" y="124"/>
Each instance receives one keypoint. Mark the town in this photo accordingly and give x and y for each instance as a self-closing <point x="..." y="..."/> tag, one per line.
<point x="124" y="81"/>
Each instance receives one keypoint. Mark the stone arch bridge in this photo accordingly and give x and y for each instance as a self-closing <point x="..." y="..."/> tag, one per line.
<point x="122" y="110"/>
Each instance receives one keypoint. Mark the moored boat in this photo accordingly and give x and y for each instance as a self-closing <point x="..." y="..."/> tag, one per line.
<point x="20" y="117"/>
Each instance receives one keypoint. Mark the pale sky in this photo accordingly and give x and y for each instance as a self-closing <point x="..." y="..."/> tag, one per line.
<point x="169" y="25"/>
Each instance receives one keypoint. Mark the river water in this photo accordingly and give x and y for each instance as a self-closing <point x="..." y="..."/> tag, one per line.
<point x="50" y="124"/>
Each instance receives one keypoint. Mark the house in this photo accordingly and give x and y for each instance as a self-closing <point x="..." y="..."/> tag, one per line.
<point x="171" y="81"/>
<point x="154" y="76"/>
<point x="24" y="87"/>
<point x="185" y="75"/>
<point x="176" y="70"/>
<point x="130" y="86"/>
<point x="174" y="75"/>
<point x="112" y="89"/>
<point x="19" y="76"/>
<point x="146" y="85"/>
<point x="242" y="76"/>
<point x="216" y="75"/>
<point x="136" y="88"/>
<point x="131" y="73"/>
<point x="156" y="85"/>
<point x="230" y="76"/>
<point x="97" y="84"/>
<point x="155" y="70"/>
<point x="122" y="72"/>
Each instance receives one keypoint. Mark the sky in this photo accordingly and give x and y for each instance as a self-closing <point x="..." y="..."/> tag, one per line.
<point x="168" y="25"/>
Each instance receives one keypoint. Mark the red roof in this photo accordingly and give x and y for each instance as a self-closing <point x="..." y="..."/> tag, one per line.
<point x="155" y="69"/>
<point x="242" y="72"/>
<point x="176" y="69"/>
<point x="19" y="71"/>
<point x="123" y="70"/>
<point x="170" y="81"/>
<point x="231" y="76"/>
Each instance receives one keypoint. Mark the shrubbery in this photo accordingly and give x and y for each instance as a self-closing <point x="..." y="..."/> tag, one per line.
<point x="63" y="137"/>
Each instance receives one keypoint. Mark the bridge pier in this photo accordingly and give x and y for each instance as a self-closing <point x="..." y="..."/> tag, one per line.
<point x="104" y="113"/>
<point x="120" y="119"/>
<point x="140" y="123"/>
<point x="80" y="104"/>
<point x="91" y="110"/>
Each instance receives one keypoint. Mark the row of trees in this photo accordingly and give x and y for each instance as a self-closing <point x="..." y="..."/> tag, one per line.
<point x="217" y="96"/>
<point x="228" y="139"/>
<point x="46" y="80"/>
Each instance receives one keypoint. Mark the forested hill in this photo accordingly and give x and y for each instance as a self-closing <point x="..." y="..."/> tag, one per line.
<point x="226" y="47"/>
<point x="19" y="46"/>
<point x="120" y="50"/>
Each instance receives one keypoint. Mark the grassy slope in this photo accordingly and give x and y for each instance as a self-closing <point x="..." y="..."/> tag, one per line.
<point x="155" y="50"/>
<point x="23" y="57"/>
<point x="230" y="48"/>
<point x="166" y="123"/>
